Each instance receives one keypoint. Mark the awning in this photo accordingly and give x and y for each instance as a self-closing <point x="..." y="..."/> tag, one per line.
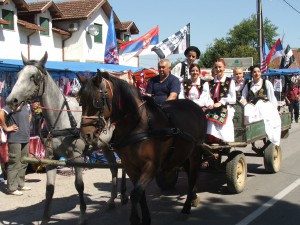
<point x="78" y="67"/>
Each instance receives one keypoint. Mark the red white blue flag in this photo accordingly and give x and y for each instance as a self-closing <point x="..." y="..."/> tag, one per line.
<point x="140" y="46"/>
<point x="111" y="55"/>
<point x="275" y="52"/>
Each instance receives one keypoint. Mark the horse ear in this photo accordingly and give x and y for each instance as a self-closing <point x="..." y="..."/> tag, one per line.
<point x="44" y="59"/>
<point x="24" y="59"/>
<point x="81" y="79"/>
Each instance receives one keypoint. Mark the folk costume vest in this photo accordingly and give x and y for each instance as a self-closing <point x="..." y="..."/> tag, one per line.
<point x="184" y="70"/>
<point x="187" y="86"/>
<point x="239" y="93"/>
<point x="260" y="95"/>
<point x="218" y="90"/>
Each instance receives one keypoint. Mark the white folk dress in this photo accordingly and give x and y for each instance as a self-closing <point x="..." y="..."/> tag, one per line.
<point x="264" y="110"/>
<point x="224" y="132"/>
<point x="201" y="99"/>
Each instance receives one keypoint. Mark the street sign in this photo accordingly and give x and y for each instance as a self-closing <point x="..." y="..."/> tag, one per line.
<point x="245" y="62"/>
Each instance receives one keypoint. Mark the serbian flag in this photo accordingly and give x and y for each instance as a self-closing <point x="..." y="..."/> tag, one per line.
<point x="275" y="52"/>
<point x="140" y="46"/>
<point x="111" y="54"/>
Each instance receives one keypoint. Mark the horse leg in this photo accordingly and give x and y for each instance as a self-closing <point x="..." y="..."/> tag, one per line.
<point x="109" y="155"/>
<point x="79" y="185"/>
<point x="138" y="196"/>
<point x="51" y="174"/>
<point x="192" y="190"/>
<point x="124" y="196"/>
<point x="146" y="219"/>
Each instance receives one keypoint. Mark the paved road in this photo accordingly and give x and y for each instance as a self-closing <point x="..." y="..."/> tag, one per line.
<point x="267" y="198"/>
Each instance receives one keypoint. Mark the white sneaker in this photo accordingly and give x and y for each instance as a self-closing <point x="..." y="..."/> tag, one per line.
<point x="16" y="193"/>
<point x="24" y="188"/>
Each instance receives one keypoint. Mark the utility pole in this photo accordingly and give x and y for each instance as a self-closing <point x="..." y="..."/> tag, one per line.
<point x="260" y="30"/>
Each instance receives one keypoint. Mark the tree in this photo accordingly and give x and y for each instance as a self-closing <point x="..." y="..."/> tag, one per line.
<point x="241" y="42"/>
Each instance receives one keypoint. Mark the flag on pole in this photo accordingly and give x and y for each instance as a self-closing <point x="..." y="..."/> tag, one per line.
<point x="275" y="52"/>
<point x="140" y="46"/>
<point x="111" y="54"/>
<point x="288" y="59"/>
<point x="263" y="64"/>
<point x="175" y="44"/>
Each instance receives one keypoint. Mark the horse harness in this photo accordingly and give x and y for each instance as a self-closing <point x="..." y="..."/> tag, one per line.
<point x="135" y="137"/>
<point x="73" y="131"/>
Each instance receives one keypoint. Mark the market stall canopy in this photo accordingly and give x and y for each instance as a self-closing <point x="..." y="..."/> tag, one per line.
<point x="283" y="72"/>
<point x="78" y="67"/>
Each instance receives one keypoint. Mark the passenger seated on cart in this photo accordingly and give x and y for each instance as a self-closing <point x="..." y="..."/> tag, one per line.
<point x="240" y="81"/>
<point x="193" y="88"/>
<point x="261" y="104"/>
<point x="219" y="113"/>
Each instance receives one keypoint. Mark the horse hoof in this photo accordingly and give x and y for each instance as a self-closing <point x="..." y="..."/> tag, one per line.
<point x="82" y="220"/>
<point x="45" y="222"/>
<point x="196" y="201"/>
<point x="124" y="200"/>
<point x="111" y="204"/>
<point x="186" y="210"/>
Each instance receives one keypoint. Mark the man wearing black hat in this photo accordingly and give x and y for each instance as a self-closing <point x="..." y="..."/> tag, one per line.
<point x="181" y="70"/>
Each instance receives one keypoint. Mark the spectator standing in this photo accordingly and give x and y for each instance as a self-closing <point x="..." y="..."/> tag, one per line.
<point x="164" y="86"/>
<point x="292" y="100"/>
<point x="18" y="131"/>
<point x="181" y="70"/>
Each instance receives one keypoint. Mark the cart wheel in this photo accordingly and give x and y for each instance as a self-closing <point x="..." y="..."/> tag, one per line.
<point x="272" y="158"/>
<point x="236" y="172"/>
<point x="167" y="180"/>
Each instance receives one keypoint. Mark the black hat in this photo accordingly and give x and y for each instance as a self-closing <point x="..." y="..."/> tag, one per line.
<point x="194" y="49"/>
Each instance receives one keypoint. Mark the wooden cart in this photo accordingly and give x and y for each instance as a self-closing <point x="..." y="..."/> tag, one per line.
<point x="235" y="166"/>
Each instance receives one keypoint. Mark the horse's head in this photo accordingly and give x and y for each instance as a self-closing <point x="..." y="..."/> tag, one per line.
<point x="30" y="83"/>
<point x="96" y="100"/>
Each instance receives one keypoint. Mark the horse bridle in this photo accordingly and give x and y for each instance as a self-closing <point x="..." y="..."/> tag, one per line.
<point x="100" y="104"/>
<point x="37" y="81"/>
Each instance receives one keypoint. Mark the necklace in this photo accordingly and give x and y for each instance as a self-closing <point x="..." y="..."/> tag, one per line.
<point x="163" y="79"/>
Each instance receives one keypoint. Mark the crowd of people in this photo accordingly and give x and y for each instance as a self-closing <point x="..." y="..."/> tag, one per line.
<point x="218" y="95"/>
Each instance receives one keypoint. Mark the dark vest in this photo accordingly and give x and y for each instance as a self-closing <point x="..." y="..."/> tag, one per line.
<point x="224" y="89"/>
<point x="187" y="85"/>
<point x="239" y="93"/>
<point x="183" y="72"/>
<point x="260" y="95"/>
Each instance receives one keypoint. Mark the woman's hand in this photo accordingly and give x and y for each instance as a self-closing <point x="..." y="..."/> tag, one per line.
<point x="13" y="128"/>
<point x="243" y="101"/>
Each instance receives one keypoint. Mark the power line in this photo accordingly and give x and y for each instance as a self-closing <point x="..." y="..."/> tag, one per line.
<point x="291" y="6"/>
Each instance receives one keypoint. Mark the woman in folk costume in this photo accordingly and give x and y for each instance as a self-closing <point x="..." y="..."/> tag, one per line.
<point x="193" y="88"/>
<point x="240" y="81"/>
<point x="220" y="113"/>
<point x="181" y="70"/>
<point x="262" y="104"/>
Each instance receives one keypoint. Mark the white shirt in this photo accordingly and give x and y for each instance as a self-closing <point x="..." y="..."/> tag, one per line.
<point x="256" y="87"/>
<point x="231" y="97"/>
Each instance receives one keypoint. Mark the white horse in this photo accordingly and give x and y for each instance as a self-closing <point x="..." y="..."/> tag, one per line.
<point x="62" y="116"/>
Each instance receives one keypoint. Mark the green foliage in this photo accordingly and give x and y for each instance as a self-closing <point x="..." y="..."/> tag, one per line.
<point x="241" y="41"/>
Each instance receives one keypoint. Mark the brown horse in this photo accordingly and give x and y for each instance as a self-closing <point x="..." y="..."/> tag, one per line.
<point x="147" y="137"/>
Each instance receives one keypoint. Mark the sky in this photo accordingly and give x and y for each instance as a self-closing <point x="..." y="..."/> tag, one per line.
<point x="209" y="19"/>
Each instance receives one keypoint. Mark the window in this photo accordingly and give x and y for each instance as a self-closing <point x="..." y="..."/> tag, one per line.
<point x="126" y="37"/>
<point x="98" y="37"/>
<point x="8" y="16"/>
<point x="44" y="23"/>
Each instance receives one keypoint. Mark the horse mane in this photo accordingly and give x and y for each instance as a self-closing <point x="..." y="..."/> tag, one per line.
<point x="124" y="95"/>
<point x="124" y="99"/>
